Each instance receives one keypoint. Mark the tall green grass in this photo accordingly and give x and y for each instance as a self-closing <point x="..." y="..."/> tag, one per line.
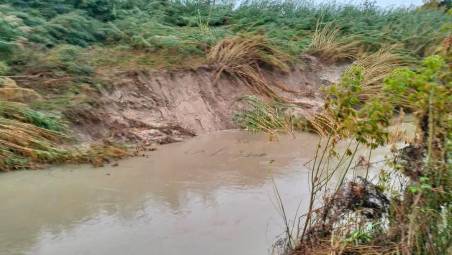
<point x="289" y="21"/>
<point x="191" y="26"/>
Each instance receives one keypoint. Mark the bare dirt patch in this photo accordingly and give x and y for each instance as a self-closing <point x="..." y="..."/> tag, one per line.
<point x="168" y="106"/>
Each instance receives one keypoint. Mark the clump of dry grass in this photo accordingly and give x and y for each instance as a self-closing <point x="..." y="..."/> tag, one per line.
<point x="99" y="154"/>
<point x="29" y="138"/>
<point x="328" y="246"/>
<point x="23" y="143"/>
<point x="327" y="45"/>
<point x="322" y="123"/>
<point x="243" y="56"/>
<point x="376" y="67"/>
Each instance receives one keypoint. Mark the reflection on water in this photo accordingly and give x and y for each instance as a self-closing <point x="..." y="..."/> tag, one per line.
<point x="210" y="195"/>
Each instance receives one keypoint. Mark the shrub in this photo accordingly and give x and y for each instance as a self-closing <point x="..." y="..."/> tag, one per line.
<point x="11" y="26"/>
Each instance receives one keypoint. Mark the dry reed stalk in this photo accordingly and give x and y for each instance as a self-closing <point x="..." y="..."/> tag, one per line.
<point x="327" y="45"/>
<point x="243" y="56"/>
<point x="28" y="141"/>
<point x="376" y="67"/>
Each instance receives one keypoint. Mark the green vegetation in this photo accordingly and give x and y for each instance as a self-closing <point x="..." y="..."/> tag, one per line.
<point x="427" y="92"/>
<point x="418" y="219"/>
<point x="190" y="28"/>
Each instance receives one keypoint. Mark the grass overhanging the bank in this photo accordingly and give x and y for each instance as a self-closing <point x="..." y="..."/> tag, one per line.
<point x="29" y="138"/>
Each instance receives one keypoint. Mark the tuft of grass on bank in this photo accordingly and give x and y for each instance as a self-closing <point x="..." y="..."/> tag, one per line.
<point x="191" y="28"/>
<point x="327" y="45"/>
<point x="22" y="113"/>
<point x="28" y="136"/>
<point x="243" y="56"/>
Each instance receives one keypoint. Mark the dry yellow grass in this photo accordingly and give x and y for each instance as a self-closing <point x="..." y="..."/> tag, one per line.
<point x="243" y="56"/>
<point x="20" y="141"/>
<point x="322" y="123"/>
<point x="376" y="67"/>
<point x="327" y="45"/>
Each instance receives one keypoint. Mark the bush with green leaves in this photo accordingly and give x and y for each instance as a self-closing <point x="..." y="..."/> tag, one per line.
<point x="426" y="90"/>
<point x="418" y="219"/>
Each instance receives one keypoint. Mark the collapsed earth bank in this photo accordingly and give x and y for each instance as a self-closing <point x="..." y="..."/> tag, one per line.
<point x="167" y="106"/>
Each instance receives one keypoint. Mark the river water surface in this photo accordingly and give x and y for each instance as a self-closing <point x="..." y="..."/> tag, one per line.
<point x="210" y="195"/>
<point x="213" y="194"/>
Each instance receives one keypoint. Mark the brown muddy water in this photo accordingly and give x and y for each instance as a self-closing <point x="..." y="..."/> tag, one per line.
<point x="212" y="194"/>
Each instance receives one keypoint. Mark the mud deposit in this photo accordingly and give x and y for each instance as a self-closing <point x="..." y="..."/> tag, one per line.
<point x="212" y="194"/>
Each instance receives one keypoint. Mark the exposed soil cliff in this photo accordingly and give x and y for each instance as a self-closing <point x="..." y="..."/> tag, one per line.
<point x="167" y="106"/>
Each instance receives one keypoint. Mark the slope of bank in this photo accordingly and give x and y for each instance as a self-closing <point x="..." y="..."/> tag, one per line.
<point x="167" y="106"/>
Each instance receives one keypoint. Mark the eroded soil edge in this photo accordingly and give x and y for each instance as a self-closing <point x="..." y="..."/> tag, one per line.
<point x="168" y="106"/>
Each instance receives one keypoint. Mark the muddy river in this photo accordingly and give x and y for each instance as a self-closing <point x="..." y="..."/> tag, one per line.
<point x="212" y="194"/>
